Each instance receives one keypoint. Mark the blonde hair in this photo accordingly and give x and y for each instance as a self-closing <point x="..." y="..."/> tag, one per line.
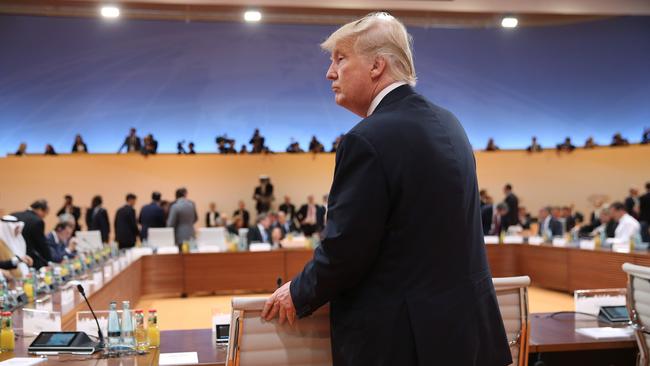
<point x="379" y="34"/>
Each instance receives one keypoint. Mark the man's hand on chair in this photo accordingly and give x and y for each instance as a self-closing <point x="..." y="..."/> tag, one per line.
<point x="280" y="304"/>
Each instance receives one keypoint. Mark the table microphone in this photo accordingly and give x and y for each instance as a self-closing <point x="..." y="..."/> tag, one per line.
<point x="99" y="329"/>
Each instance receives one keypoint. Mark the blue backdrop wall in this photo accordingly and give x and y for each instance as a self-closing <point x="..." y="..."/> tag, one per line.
<point x="194" y="81"/>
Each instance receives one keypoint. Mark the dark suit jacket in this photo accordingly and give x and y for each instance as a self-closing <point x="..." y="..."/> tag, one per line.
<point x="34" y="234"/>
<point x="486" y="218"/>
<point x="398" y="292"/>
<point x="76" y="213"/>
<point x="245" y="215"/>
<point x="151" y="215"/>
<point x="126" y="228"/>
<point x="137" y="147"/>
<point x="644" y="208"/>
<point x="512" y="217"/>
<point x="99" y="221"/>
<point x="320" y="215"/>
<point x="289" y="209"/>
<point x="255" y="236"/>
<point x="287" y="228"/>
<point x="207" y="218"/>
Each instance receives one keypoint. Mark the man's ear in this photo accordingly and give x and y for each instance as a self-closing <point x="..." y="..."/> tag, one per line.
<point x="379" y="66"/>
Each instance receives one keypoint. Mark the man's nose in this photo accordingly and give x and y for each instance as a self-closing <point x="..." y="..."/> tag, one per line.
<point x="331" y="74"/>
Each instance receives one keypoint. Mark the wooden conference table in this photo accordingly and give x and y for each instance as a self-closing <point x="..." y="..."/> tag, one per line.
<point x="564" y="269"/>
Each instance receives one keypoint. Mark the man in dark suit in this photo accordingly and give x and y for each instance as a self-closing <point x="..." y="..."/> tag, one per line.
<point x="132" y="143"/>
<point x="285" y="225"/>
<point x="97" y="218"/>
<point x="34" y="232"/>
<point x="70" y="209"/>
<point x="402" y="260"/>
<point x="644" y="205"/>
<point x="263" y="195"/>
<point x="549" y="226"/>
<point x="494" y="216"/>
<point x="151" y="215"/>
<point x="212" y="216"/>
<point x="309" y="218"/>
<point x="512" y="201"/>
<point x="261" y="232"/>
<point x="632" y="203"/>
<point x="126" y="228"/>
<point x="242" y="212"/>
<point x="288" y="208"/>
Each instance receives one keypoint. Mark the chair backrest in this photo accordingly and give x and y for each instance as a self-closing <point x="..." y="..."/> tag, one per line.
<point x="88" y="241"/>
<point x="256" y="342"/>
<point x="212" y="236"/>
<point x="512" y="295"/>
<point x="161" y="237"/>
<point x="638" y="306"/>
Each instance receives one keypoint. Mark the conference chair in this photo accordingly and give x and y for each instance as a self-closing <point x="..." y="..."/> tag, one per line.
<point x="512" y="295"/>
<point x="211" y="239"/>
<point x="638" y="306"/>
<point x="88" y="241"/>
<point x="159" y="237"/>
<point x="256" y="342"/>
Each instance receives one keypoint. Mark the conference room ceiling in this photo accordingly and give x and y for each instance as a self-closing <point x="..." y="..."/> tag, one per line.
<point x="428" y="13"/>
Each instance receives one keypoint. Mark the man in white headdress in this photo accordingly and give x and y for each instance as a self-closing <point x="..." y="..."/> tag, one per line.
<point x="12" y="241"/>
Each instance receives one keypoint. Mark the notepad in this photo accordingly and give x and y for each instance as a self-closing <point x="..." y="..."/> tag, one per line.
<point x="178" y="358"/>
<point x="606" y="332"/>
<point x="22" y="361"/>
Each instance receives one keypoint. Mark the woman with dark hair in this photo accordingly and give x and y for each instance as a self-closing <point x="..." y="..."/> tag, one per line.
<point x="79" y="145"/>
<point x="97" y="218"/>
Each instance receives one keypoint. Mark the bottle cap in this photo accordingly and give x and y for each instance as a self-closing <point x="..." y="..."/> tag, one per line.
<point x="139" y="311"/>
<point x="6" y="313"/>
<point x="152" y="310"/>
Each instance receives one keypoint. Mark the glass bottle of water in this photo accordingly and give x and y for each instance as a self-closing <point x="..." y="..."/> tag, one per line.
<point x="128" y="341"/>
<point x="114" y="331"/>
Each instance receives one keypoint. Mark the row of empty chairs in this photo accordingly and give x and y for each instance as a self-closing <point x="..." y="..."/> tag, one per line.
<point x="211" y="239"/>
<point x="255" y="342"/>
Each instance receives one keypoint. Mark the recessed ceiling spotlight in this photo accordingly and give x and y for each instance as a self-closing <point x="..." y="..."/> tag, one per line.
<point x="509" y="22"/>
<point x="110" y="11"/>
<point x="252" y="16"/>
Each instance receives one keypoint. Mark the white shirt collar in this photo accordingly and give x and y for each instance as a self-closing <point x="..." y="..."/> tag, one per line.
<point x="382" y="94"/>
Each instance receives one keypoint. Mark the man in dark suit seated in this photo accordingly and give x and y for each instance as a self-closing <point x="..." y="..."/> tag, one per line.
<point x="402" y="261"/>
<point x="126" y="228"/>
<point x="261" y="232"/>
<point x="34" y="232"/>
<point x="549" y="226"/>
<point x="212" y="216"/>
<point x="70" y="209"/>
<point x="151" y="215"/>
<point x="285" y="225"/>
<point x="61" y="243"/>
<point x="308" y="217"/>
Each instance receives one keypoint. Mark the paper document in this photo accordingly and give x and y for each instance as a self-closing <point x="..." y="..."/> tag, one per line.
<point x="179" y="358"/>
<point x="22" y="361"/>
<point x="606" y="332"/>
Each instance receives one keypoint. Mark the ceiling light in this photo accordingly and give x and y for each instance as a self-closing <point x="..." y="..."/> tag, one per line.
<point x="509" y="22"/>
<point x="110" y="11"/>
<point x="252" y="16"/>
